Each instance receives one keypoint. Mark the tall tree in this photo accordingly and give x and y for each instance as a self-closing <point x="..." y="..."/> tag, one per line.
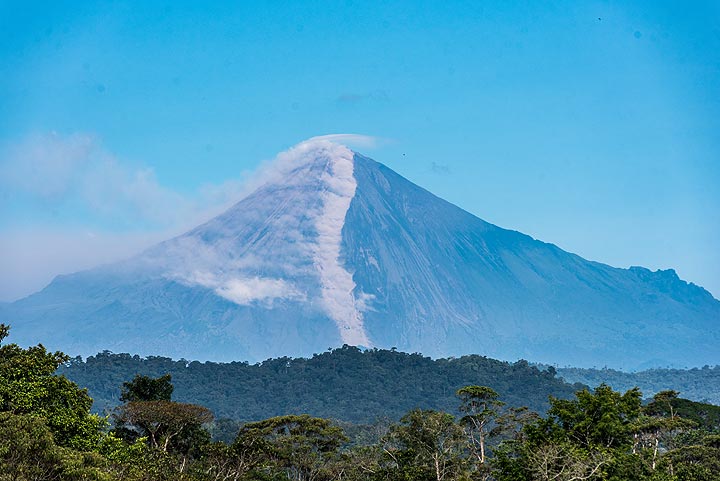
<point x="481" y="406"/>
<point x="427" y="445"/>
<point x="163" y="421"/>
<point x="168" y="426"/>
<point x="301" y="447"/>
<point x="578" y="440"/>
<point x="659" y="425"/>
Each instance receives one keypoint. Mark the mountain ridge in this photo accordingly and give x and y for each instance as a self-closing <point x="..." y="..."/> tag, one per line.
<point x="339" y="249"/>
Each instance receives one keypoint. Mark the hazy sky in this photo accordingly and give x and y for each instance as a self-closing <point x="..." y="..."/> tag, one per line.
<point x="592" y="125"/>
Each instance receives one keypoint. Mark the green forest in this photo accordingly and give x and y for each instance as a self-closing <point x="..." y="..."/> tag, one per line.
<point x="345" y="383"/>
<point x="361" y="387"/>
<point x="48" y="431"/>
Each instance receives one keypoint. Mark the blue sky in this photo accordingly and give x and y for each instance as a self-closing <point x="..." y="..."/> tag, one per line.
<point x="592" y="125"/>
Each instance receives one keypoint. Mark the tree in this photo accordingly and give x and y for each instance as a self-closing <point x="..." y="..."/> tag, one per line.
<point x="28" y="453"/>
<point x="302" y="447"/>
<point x="660" y="425"/>
<point x="145" y="388"/>
<point x="29" y="385"/>
<point x="427" y="445"/>
<point x="579" y="440"/>
<point x="168" y="426"/>
<point x="651" y="432"/>
<point x="692" y="463"/>
<point x="162" y="421"/>
<point x="481" y="406"/>
<point x="599" y="419"/>
<point x="668" y="404"/>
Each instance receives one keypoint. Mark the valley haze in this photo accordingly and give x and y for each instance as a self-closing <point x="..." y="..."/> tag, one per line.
<point x="335" y="248"/>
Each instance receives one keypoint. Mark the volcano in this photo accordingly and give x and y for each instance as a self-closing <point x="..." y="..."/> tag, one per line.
<point x="335" y="248"/>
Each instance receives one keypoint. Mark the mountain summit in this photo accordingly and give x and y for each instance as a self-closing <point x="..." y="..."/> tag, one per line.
<point x="335" y="248"/>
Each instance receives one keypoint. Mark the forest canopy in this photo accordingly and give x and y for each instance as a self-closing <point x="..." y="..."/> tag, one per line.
<point x="47" y="432"/>
<point x="345" y="383"/>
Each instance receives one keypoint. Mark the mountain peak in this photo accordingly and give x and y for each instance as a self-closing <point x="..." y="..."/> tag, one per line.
<point x="279" y="240"/>
<point x="334" y="248"/>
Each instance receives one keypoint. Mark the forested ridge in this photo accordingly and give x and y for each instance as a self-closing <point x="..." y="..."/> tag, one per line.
<point x="47" y="432"/>
<point x="698" y="384"/>
<point x="344" y="384"/>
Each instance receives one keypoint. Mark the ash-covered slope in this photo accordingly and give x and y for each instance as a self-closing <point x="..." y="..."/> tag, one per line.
<point x="335" y="248"/>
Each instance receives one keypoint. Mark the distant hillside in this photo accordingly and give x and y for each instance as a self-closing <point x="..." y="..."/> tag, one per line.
<point x="346" y="383"/>
<point x="702" y="385"/>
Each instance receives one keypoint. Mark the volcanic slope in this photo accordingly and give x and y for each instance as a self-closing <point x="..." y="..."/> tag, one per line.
<point x="335" y="248"/>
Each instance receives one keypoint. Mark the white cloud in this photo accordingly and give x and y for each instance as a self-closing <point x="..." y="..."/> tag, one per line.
<point x="246" y="291"/>
<point x="77" y="170"/>
<point x="67" y="171"/>
<point x="254" y="289"/>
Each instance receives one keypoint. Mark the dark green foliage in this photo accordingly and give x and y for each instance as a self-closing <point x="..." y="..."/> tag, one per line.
<point x="602" y="418"/>
<point x="145" y="388"/>
<point x="24" y="438"/>
<point x="168" y="426"/>
<point x="344" y="383"/>
<point x="28" y="452"/>
<point x="576" y="440"/>
<point x="300" y="447"/>
<point x="667" y="403"/>
<point x="46" y="427"/>
<point x="692" y="463"/>
<point x="605" y="435"/>
<point x="29" y="385"/>
<point x="599" y="435"/>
